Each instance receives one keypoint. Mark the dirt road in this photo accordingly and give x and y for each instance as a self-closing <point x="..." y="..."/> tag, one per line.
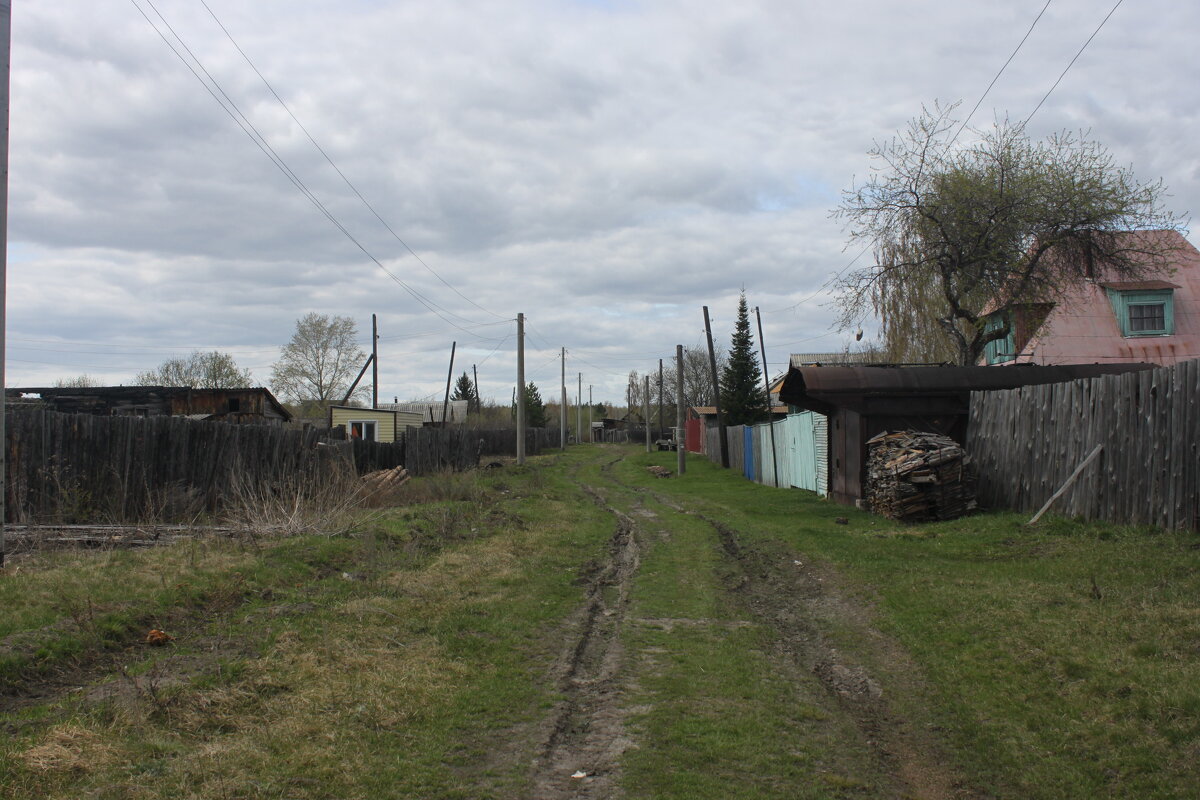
<point x="679" y="582"/>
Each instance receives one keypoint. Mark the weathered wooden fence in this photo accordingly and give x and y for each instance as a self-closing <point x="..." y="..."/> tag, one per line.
<point x="130" y="468"/>
<point x="429" y="450"/>
<point x="503" y="441"/>
<point x="1026" y="442"/>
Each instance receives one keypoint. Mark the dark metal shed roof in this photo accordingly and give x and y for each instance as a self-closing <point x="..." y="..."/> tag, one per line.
<point x="823" y="389"/>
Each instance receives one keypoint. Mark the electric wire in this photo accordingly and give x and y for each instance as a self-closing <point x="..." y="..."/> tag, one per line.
<point x="1011" y="56"/>
<point x="1072" y="61"/>
<point x="268" y="151"/>
<point x="337" y="169"/>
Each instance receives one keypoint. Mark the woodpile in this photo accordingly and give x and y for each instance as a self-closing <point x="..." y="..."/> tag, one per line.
<point x="384" y="480"/>
<point x="916" y="476"/>
<point x="661" y="472"/>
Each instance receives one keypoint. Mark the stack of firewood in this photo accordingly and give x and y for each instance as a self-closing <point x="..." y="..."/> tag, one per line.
<point x="919" y="476"/>
<point x="384" y="480"/>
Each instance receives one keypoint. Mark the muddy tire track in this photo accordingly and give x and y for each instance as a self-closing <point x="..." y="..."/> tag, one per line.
<point x="580" y="755"/>
<point x="792" y="601"/>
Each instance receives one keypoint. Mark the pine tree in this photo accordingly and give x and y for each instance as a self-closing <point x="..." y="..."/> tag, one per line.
<point x="743" y="399"/>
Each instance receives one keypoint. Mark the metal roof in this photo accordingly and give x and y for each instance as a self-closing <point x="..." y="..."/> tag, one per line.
<point x="825" y="388"/>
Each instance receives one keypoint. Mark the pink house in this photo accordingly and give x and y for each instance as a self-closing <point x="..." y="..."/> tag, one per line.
<point x="1108" y="321"/>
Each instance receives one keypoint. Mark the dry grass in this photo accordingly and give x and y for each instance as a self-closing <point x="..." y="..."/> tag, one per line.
<point x="71" y="748"/>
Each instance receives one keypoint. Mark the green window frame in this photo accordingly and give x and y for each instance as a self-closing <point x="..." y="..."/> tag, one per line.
<point x="1144" y="313"/>
<point x="999" y="351"/>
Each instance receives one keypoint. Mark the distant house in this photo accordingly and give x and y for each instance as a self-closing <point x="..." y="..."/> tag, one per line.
<point x="251" y="405"/>
<point x="1107" y="321"/>
<point x="372" y="424"/>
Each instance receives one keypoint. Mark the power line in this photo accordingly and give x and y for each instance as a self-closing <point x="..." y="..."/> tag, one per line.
<point x="336" y="169"/>
<point x="979" y="102"/>
<point x="1072" y="61"/>
<point x="1001" y="72"/>
<point x="255" y="136"/>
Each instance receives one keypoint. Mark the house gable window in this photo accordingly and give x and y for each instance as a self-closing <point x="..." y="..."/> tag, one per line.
<point x="999" y="351"/>
<point x="1143" y="311"/>
<point x="363" y="429"/>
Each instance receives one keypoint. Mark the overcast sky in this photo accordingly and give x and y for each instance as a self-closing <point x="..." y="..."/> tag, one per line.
<point x="607" y="168"/>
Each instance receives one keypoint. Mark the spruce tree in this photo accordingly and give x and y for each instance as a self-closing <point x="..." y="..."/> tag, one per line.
<point x="535" y="409"/>
<point x="464" y="389"/>
<point x="743" y="399"/>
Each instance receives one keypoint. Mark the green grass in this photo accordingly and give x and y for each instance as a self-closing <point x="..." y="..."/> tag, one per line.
<point x="412" y="659"/>
<point x="388" y="664"/>
<point x="1044" y="689"/>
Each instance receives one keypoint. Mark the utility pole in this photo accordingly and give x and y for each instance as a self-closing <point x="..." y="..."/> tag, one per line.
<point x="762" y="348"/>
<point x="660" y="396"/>
<point x="579" y="411"/>
<point x="449" y="377"/>
<point x="681" y="430"/>
<point x="712" y="365"/>
<point x="590" y="409"/>
<point x="374" y="362"/>
<point x="478" y="400"/>
<point x="646" y="411"/>
<point x="520" y="388"/>
<point x="562" y="409"/>
<point x="5" y="41"/>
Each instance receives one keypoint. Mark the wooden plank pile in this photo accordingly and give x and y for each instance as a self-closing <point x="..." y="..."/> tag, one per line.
<point x="915" y="476"/>
<point x="384" y="480"/>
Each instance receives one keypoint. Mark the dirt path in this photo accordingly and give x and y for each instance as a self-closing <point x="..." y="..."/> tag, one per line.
<point x="580" y="757"/>
<point x="793" y="598"/>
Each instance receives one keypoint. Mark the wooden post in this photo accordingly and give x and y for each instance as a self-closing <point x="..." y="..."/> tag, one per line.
<point x="5" y="42"/>
<point x="374" y="362"/>
<point x="1067" y="484"/>
<point x="449" y="377"/>
<point x="681" y="430"/>
<point x="520" y="388"/>
<point x="762" y="348"/>
<point x="660" y="396"/>
<point x="562" y="409"/>
<point x="712" y="365"/>
<point x="646" y="410"/>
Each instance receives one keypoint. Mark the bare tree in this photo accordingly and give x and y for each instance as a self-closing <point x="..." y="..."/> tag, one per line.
<point x="213" y="370"/>
<point x="78" y="382"/>
<point x="320" y="361"/>
<point x="697" y="376"/>
<point x="970" y="233"/>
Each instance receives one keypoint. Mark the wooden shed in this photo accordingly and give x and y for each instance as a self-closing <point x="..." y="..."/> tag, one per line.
<point x="861" y="402"/>
<point x="372" y="424"/>
<point x="226" y="405"/>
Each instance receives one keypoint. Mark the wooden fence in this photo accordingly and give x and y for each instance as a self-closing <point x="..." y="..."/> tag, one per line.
<point x="503" y="441"/>
<point x="1026" y="442"/>
<point x="84" y="467"/>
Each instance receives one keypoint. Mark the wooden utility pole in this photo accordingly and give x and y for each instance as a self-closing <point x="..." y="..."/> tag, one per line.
<point x="579" y="411"/>
<point x="660" y="396"/>
<point x="449" y="377"/>
<point x="478" y="401"/>
<point x="520" y="388"/>
<point x="680" y="429"/>
<point x="562" y="410"/>
<point x="374" y="362"/>
<point x="646" y="411"/>
<point x="5" y="41"/>
<point x="712" y="365"/>
<point x="762" y="348"/>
